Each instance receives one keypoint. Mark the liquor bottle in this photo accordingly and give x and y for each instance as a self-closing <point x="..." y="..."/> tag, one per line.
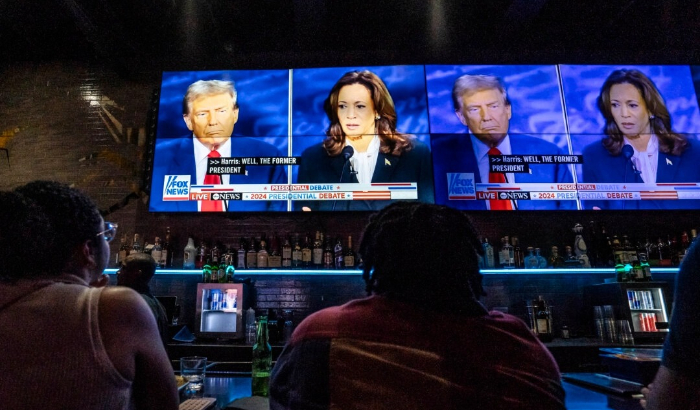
<point x="157" y="252"/>
<point x="637" y="273"/>
<point x="646" y="269"/>
<point x="274" y="258"/>
<point x="621" y="272"/>
<point x="570" y="260"/>
<point x="502" y="258"/>
<point x="489" y="260"/>
<point x="227" y="265"/>
<point x="206" y="271"/>
<point x="286" y="253"/>
<point x="555" y="260"/>
<point x="317" y="251"/>
<point x="168" y="254"/>
<point x="530" y="261"/>
<point x="543" y="320"/>
<point x="328" y="254"/>
<point x="349" y="260"/>
<point x="628" y="248"/>
<point x="296" y="253"/>
<point x="241" y="254"/>
<point x="664" y="253"/>
<point x="251" y="261"/>
<point x="188" y="254"/>
<point x="517" y="253"/>
<point x="123" y="252"/>
<point x="338" y="254"/>
<point x="618" y="250"/>
<point x="541" y="259"/>
<point x="263" y="255"/>
<point x="214" y="259"/>
<point x="136" y="245"/>
<point x="685" y="244"/>
<point x="306" y="254"/>
<point x="262" y="360"/>
<point x="508" y="254"/>
<point x="202" y="255"/>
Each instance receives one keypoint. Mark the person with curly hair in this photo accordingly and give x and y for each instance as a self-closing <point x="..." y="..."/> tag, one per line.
<point x="421" y="339"/>
<point x="66" y="342"/>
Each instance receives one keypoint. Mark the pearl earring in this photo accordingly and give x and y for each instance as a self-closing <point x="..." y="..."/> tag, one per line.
<point x="377" y="117"/>
<point x="651" y="117"/>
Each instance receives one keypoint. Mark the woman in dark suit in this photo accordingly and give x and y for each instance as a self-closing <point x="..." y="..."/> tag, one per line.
<point x="362" y="116"/>
<point x="639" y="144"/>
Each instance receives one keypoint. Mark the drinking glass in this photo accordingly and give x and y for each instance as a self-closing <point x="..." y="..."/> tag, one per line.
<point x="193" y="368"/>
<point x="624" y="332"/>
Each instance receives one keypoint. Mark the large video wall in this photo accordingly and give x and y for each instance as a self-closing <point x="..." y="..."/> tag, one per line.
<point x="516" y="137"/>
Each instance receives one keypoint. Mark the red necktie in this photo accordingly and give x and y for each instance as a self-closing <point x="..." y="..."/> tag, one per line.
<point x="498" y="204"/>
<point x="212" y="206"/>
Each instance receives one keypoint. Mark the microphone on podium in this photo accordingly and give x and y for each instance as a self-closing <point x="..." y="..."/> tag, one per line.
<point x="347" y="153"/>
<point x="628" y="152"/>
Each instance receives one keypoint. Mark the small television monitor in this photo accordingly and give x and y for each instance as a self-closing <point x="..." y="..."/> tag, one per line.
<point x="219" y="310"/>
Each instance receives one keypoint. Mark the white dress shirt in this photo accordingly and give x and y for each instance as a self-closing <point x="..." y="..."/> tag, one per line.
<point x="201" y="154"/>
<point x="647" y="162"/>
<point x="364" y="163"/>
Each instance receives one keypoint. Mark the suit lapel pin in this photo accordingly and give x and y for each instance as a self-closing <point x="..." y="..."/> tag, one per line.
<point x="668" y="162"/>
<point x="388" y="163"/>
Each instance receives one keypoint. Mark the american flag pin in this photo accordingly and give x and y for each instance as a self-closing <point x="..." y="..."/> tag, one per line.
<point x="668" y="162"/>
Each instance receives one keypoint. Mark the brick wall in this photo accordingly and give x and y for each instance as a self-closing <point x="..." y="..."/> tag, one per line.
<point x="82" y="124"/>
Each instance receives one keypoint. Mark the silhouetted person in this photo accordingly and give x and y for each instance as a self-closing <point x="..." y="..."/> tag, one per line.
<point x="65" y="344"/>
<point x="136" y="273"/>
<point x="421" y="340"/>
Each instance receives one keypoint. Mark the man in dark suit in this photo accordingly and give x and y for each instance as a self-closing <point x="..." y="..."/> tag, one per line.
<point x="210" y="110"/>
<point x="481" y="104"/>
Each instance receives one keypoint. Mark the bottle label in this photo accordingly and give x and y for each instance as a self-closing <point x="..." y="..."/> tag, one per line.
<point x="542" y="326"/>
<point x="318" y="256"/>
<point x="306" y="255"/>
<point x="349" y="261"/>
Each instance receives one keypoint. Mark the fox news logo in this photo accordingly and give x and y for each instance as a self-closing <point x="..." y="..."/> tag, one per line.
<point x="460" y="186"/>
<point x="176" y="188"/>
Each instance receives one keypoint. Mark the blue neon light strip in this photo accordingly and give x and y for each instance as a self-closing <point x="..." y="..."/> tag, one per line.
<point x="353" y="272"/>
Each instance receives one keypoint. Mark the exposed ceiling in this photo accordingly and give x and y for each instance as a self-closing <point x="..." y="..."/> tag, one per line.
<point x="143" y="35"/>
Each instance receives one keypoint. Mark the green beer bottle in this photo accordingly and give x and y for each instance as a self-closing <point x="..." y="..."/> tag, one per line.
<point x="262" y="360"/>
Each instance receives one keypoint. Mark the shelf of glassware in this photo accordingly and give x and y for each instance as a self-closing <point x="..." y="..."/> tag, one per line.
<point x="352" y="272"/>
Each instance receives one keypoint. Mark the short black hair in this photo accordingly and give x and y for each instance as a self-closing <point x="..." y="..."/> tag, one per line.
<point x="143" y="262"/>
<point x="25" y="234"/>
<point x="73" y="215"/>
<point x="423" y="253"/>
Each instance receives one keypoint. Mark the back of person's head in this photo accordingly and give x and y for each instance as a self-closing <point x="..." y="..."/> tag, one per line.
<point x="25" y="233"/>
<point x="73" y="216"/>
<point x="138" y="269"/>
<point x="427" y="254"/>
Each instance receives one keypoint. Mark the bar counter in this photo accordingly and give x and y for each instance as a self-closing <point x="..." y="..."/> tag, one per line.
<point x="227" y="389"/>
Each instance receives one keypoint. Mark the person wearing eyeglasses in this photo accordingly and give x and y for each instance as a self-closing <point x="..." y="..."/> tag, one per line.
<point x="65" y="342"/>
<point x="136" y="273"/>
